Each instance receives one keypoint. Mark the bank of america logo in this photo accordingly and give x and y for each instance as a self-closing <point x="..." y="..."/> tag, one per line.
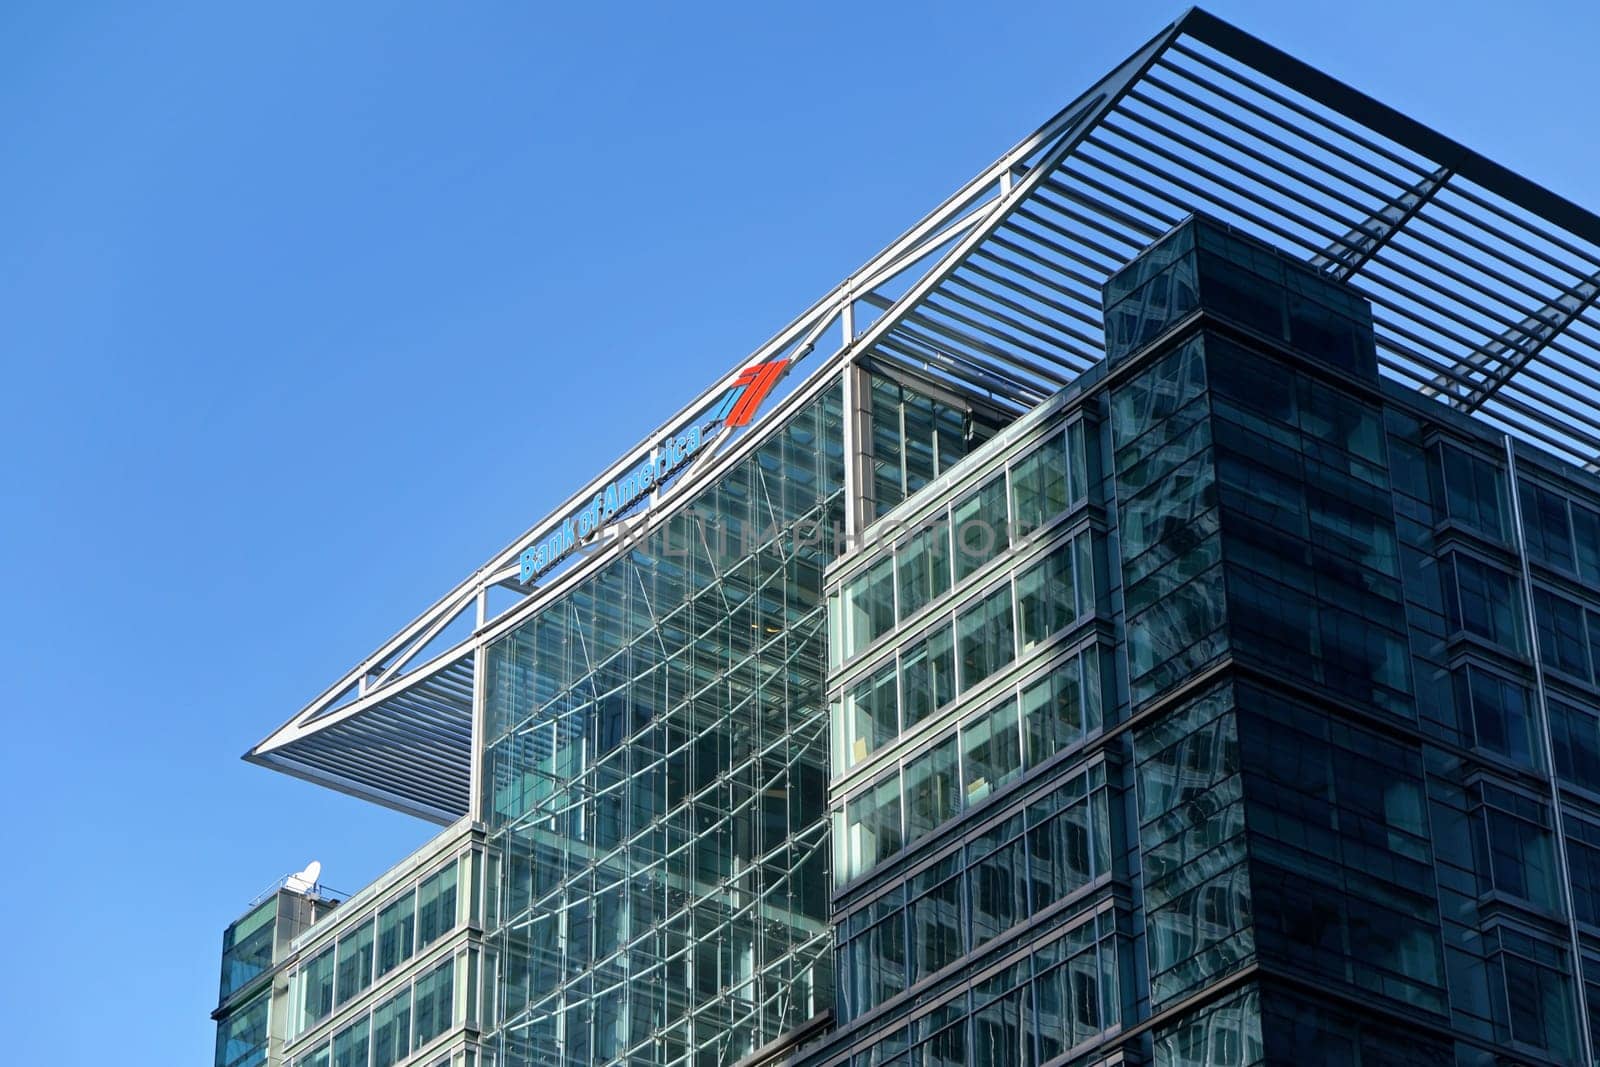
<point x="739" y="406"/>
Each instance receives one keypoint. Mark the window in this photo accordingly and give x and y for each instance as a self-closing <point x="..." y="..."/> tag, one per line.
<point x="316" y="988"/>
<point x="1537" y="993"/>
<point x="991" y="750"/>
<point x="436" y="906"/>
<point x="978" y="524"/>
<point x="1497" y="716"/>
<point x="1562" y="645"/>
<point x="350" y="1045"/>
<point x="1517" y="842"/>
<point x="435" y="1004"/>
<point x="871" y="716"/>
<point x="391" y="1030"/>
<point x="1583" y="857"/>
<point x="1544" y="523"/>
<point x="938" y="931"/>
<point x="396" y="933"/>
<point x="923" y="563"/>
<point x="242" y="1037"/>
<point x="1483" y="601"/>
<point x="355" y="962"/>
<point x="1046" y="597"/>
<point x="868" y="606"/>
<point x="247" y="947"/>
<point x="930" y="789"/>
<point x="928" y="675"/>
<point x="1586" y="539"/>
<point x="873" y="827"/>
<point x="1575" y="739"/>
<point x="986" y="637"/>
<point x="1063" y="707"/>
<point x="1039" y="487"/>
<point x="322" y="1057"/>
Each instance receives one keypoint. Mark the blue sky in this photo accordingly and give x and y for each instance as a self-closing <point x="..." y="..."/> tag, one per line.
<point x="306" y="309"/>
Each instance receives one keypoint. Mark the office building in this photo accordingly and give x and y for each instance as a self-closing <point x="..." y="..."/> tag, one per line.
<point x="1149" y="614"/>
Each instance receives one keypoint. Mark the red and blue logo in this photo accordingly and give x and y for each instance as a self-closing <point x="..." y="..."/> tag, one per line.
<point x="738" y="407"/>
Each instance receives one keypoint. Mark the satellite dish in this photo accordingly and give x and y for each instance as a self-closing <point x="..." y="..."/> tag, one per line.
<point x="306" y="880"/>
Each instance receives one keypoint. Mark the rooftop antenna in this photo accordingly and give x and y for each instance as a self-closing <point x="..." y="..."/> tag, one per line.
<point x="304" y="881"/>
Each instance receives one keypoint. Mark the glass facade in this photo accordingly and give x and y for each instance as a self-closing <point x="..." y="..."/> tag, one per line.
<point x="655" y="778"/>
<point x="1232" y="706"/>
<point x="1290" y="697"/>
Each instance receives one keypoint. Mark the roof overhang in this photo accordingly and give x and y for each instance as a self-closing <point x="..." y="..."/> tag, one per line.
<point x="1483" y="286"/>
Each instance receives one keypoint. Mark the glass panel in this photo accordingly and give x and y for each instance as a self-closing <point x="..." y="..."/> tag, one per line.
<point x="242" y="1036"/>
<point x="316" y="984"/>
<point x="868" y="606"/>
<point x="350" y="1045"/>
<point x="1485" y="602"/>
<point x="924" y="568"/>
<point x="1499" y="714"/>
<point x="434" y="1008"/>
<point x="391" y="1030"/>
<point x="991" y="751"/>
<point x="927" y="674"/>
<point x="978" y="525"/>
<point x="1474" y="491"/>
<point x="1039" y="486"/>
<point x="1544" y="520"/>
<point x="987" y="637"/>
<point x="874" y="828"/>
<point x="396" y="933"/>
<point x="930" y="789"/>
<point x="436" y="906"/>
<point x="1046" y="596"/>
<point x="355" y="962"/>
<point x="247" y="947"/>
<point x="871" y="717"/>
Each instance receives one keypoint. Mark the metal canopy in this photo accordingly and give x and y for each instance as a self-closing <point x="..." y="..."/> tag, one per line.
<point x="1483" y="288"/>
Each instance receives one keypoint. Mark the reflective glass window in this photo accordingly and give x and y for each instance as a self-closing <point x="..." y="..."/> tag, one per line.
<point x="1046" y="596"/>
<point x="923" y="563"/>
<point x="868" y="606"/>
<point x="1498" y="713"/>
<point x="350" y="1045"/>
<point x="1484" y="601"/>
<point x="247" y="947"/>
<point x="1039" y="485"/>
<point x="1519" y="846"/>
<point x="938" y="930"/>
<point x="397" y="925"/>
<point x="434" y="1003"/>
<point x="978" y="526"/>
<point x="1575" y="740"/>
<point x="1545" y="524"/>
<point x="1586" y="540"/>
<point x="391" y="1030"/>
<point x="1562" y="643"/>
<point x="931" y="788"/>
<point x="991" y="750"/>
<point x="1474" y="491"/>
<point x="986" y="637"/>
<point x="871" y="714"/>
<point x="1062" y="707"/>
<point x="355" y="962"/>
<point x="928" y="675"/>
<point x="242" y="1037"/>
<point x="436" y="906"/>
<point x="1583" y="858"/>
<point x="873" y="826"/>
<point x="316" y="988"/>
